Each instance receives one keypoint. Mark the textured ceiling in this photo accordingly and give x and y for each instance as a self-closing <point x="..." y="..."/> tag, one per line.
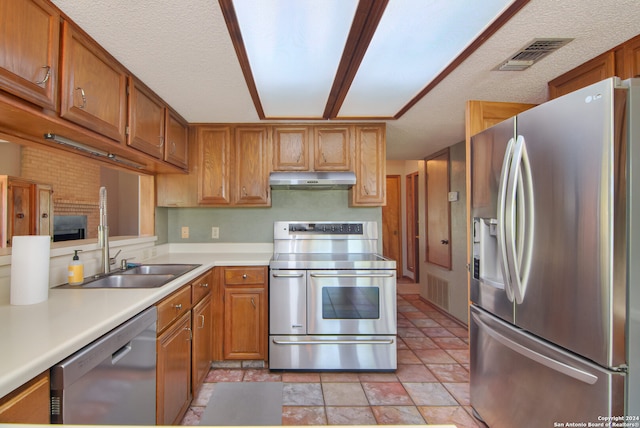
<point x="182" y="50"/>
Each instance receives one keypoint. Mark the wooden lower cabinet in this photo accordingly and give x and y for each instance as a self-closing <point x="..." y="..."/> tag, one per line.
<point x="28" y="404"/>
<point x="202" y="324"/>
<point x="174" y="372"/>
<point x="184" y="348"/>
<point x="240" y="313"/>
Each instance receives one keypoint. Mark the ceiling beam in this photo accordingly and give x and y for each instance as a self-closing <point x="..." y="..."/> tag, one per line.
<point x="365" y="22"/>
<point x="231" y="19"/>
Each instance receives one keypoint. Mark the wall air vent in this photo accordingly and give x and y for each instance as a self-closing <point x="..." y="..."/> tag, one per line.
<point x="533" y="52"/>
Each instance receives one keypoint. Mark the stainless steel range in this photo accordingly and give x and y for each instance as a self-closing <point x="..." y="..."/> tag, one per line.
<point x="332" y="298"/>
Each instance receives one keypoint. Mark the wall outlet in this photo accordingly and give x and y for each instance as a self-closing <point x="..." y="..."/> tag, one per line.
<point x="185" y="232"/>
<point x="215" y="233"/>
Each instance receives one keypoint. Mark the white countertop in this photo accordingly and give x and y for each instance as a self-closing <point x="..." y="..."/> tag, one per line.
<point x="36" y="337"/>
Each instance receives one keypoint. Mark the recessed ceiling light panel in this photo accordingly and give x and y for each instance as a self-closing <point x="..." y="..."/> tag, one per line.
<point x="294" y="48"/>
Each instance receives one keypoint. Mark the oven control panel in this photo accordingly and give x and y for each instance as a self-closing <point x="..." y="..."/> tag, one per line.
<point x="327" y="228"/>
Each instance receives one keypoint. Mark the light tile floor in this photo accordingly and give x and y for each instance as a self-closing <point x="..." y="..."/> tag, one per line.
<point x="430" y="386"/>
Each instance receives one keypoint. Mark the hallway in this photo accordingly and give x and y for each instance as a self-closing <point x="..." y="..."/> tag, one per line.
<point x="430" y="386"/>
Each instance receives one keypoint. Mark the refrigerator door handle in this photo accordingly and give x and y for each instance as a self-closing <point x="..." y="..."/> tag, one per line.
<point x="558" y="366"/>
<point x="501" y="232"/>
<point x="519" y="213"/>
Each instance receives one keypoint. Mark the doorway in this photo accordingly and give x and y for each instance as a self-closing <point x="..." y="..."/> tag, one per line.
<point x="392" y="223"/>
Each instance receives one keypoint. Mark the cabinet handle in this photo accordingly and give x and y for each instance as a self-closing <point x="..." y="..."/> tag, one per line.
<point x="201" y="321"/>
<point x="190" y="333"/>
<point x="172" y="147"/>
<point x="253" y="303"/>
<point x="46" y="76"/>
<point x="84" y="98"/>
<point x="244" y="191"/>
<point x="161" y="142"/>
<point x="178" y="306"/>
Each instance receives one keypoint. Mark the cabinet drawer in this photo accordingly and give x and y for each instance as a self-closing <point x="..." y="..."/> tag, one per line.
<point x="244" y="275"/>
<point x="173" y="307"/>
<point x="200" y="287"/>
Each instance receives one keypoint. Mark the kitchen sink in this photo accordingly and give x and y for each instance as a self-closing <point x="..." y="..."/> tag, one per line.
<point x="163" y="269"/>
<point x="143" y="276"/>
<point x="129" y="281"/>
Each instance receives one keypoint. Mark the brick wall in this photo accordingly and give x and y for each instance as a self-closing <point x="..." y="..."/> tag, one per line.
<point x="75" y="180"/>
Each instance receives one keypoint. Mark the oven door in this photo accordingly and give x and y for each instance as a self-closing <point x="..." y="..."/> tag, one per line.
<point x="351" y="302"/>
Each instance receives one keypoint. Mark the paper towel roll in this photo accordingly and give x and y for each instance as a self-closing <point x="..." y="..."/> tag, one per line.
<point x="30" y="269"/>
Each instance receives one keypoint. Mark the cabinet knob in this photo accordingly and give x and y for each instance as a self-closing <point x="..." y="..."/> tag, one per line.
<point x="244" y="275"/>
<point x="204" y="285"/>
<point x="178" y="306"/>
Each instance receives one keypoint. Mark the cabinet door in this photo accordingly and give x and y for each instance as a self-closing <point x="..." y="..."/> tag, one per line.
<point x="370" y="187"/>
<point x="632" y="58"/>
<point x="202" y="342"/>
<point x="173" y="377"/>
<point x="290" y="148"/>
<point x="214" y="153"/>
<point x="146" y="120"/>
<point x="332" y="148"/>
<point x="244" y="323"/>
<point x="28" y="404"/>
<point x="595" y="70"/>
<point x="29" y="46"/>
<point x="44" y="210"/>
<point x="20" y="210"/>
<point x="251" y="166"/>
<point x="93" y="85"/>
<point x="176" y="148"/>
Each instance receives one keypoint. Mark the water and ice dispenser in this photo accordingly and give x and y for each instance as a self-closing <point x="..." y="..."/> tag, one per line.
<point x="486" y="264"/>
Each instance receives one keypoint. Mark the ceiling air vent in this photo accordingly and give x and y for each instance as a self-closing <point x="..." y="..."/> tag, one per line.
<point x="531" y="53"/>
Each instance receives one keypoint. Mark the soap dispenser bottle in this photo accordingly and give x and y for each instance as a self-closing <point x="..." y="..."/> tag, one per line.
<point x="76" y="270"/>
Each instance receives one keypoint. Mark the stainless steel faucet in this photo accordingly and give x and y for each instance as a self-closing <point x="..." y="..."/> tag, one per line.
<point x="103" y="232"/>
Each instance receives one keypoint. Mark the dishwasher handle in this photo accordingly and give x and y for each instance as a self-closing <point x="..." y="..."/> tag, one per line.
<point x="120" y="353"/>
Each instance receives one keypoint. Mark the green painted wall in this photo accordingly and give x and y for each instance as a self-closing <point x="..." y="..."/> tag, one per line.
<point x="256" y="224"/>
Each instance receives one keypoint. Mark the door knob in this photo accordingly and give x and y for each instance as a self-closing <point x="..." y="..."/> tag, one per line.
<point x="444" y="241"/>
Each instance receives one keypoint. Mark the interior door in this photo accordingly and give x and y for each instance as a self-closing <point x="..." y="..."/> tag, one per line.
<point x="438" y="210"/>
<point x="413" y="239"/>
<point x="392" y="223"/>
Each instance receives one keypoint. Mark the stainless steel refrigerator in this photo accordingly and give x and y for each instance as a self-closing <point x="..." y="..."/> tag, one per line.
<point x="555" y="293"/>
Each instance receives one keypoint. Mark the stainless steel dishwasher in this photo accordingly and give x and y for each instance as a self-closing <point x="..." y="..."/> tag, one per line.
<point x="111" y="381"/>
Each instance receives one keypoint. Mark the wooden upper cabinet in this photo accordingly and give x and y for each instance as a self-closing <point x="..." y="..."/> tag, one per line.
<point x="29" y="48"/>
<point x="370" y="162"/>
<point x="214" y="164"/>
<point x="291" y="148"/>
<point x="631" y="51"/>
<point x="332" y="148"/>
<point x="595" y="70"/>
<point x="176" y="146"/>
<point x="146" y="120"/>
<point x="93" y="85"/>
<point x="251" y="166"/>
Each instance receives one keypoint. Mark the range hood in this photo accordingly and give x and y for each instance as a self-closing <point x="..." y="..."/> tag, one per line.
<point x="319" y="180"/>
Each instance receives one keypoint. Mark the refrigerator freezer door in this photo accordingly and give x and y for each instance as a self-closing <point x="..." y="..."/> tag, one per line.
<point x="518" y="380"/>
<point x="570" y="296"/>
<point x="488" y="154"/>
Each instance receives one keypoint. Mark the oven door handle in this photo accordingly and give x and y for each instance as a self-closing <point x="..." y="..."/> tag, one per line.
<point x="333" y="342"/>
<point x="288" y="275"/>
<point x="353" y="275"/>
